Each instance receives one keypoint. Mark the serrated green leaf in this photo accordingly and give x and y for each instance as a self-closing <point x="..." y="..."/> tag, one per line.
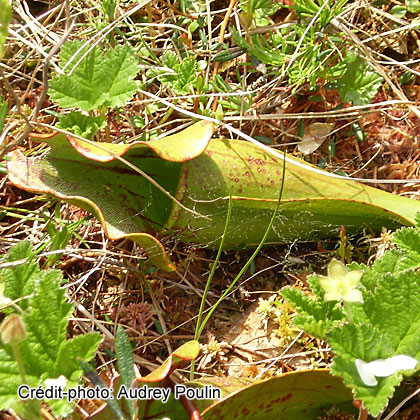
<point x="45" y="353"/>
<point x="83" y="125"/>
<point x="316" y="315"/>
<point x="360" y="83"/>
<point x="186" y="76"/>
<point x="20" y="280"/>
<point x="409" y="241"/>
<point x="391" y="262"/>
<point x="170" y="60"/>
<point x="46" y="323"/>
<point x="313" y="327"/>
<point x="181" y="75"/>
<point x="395" y="311"/>
<point x="81" y="347"/>
<point x="391" y="326"/>
<point x="351" y="342"/>
<point x="5" y="17"/>
<point x="94" y="79"/>
<point x="10" y="379"/>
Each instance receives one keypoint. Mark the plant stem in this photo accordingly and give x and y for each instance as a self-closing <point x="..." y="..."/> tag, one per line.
<point x="209" y="280"/>
<point x="201" y="326"/>
<point x="168" y="113"/>
<point x="18" y="358"/>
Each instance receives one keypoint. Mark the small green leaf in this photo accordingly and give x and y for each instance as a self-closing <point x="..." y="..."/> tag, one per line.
<point x="316" y="316"/>
<point x="360" y="83"/>
<point x="398" y="11"/>
<point x="180" y="76"/>
<point x="85" y="126"/>
<point x="406" y="78"/>
<point x="413" y="6"/>
<point x="5" y="17"/>
<point x="125" y="362"/>
<point x="109" y="7"/>
<point x="186" y="76"/>
<point x="94" y="78"/>
<point x="259" y="10"/>
<point x="4" y="106"/>
<point x="359" y="132"/>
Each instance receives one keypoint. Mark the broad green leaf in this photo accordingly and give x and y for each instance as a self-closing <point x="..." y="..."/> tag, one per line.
<point x="391" y="262"/>
<point x="81" y="347"/>
<point x="296" y="395"/>
<point x="391" y="326"/>
<point x="395" y="311"/>
<point x="398" y="11"/>
<point x="94" y="79"/>
<point x="5" y="17"/>
<point x="83" y="125"/>
<point x="408" y="240"/>
<point x="45" y="352"/>
<point x="351" y="342"/>
<point x="360" y="83"/>
<point x="200" y="173"/>
<point x="46" y="322"/>
<point x="20" y="280"/>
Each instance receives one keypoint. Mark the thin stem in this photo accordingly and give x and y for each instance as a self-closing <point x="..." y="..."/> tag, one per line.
<point x="248" y="263"/>
<point x="18" y="358"/>
<point x="209" y="280"/>
<point x="168" y="113"/>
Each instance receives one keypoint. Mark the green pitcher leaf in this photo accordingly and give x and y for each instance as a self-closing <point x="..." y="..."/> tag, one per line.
<point x="193" y="178"/>
<point x="296" y="395"/>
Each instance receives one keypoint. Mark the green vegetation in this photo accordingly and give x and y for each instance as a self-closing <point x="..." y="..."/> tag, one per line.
<point x="126" y="162"/>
